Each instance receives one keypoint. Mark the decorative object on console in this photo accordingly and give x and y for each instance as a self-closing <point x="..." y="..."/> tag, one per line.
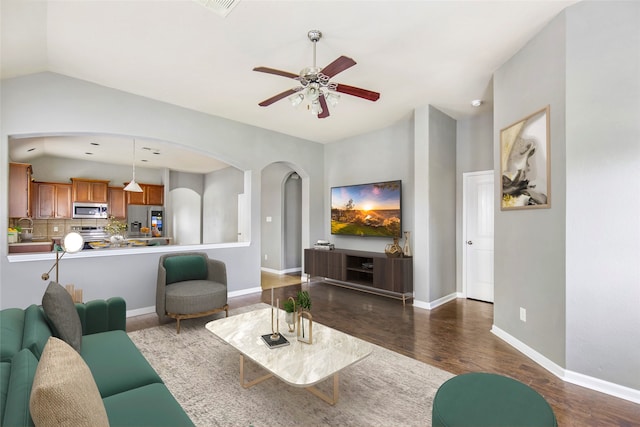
<point x="72" y="242"/>
<point x="393" y="250"/>
<point x="365" y="210"/>
<point x="315" y="86"/>
<point x="290" y="316"/>
<point x="407" y="249"/>
<point x="324" y="245"/>
<point x="304" y="305"/>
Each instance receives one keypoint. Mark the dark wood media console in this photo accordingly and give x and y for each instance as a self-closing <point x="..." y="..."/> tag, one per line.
<point x="366" y="271"/>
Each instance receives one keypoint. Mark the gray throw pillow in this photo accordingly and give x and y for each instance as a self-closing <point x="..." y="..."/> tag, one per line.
<point x="62" y="313"/>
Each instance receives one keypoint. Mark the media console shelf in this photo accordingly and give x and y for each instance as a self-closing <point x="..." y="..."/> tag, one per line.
<point x="366" y="271"/>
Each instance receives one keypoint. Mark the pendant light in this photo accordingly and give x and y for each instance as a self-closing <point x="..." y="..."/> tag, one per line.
<point x="133" y="185"/>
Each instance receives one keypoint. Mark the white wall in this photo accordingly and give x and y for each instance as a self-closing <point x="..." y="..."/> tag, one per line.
<point x="220" y="205"/>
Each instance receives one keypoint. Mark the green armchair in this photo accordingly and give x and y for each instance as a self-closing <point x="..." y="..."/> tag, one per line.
<point x="190" y="285"/>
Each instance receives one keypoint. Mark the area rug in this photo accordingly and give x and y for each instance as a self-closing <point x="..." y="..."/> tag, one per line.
<point x="202" y="372"/>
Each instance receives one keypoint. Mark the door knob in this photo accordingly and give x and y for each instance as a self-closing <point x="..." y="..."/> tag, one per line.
<point x="469" y="242"/>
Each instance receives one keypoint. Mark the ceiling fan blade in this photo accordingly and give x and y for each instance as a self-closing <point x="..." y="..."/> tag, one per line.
<point x="356" y="91"/>
<point x="276" y="72"/>
<point x="278" y="97"/>
<point x="325" y="108"/>
<point x="338" y="66"/>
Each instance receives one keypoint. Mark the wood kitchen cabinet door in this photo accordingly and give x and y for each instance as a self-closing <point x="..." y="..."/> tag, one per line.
<point x="52" y="200"/>
<point x="154" y="194"/>
<point x="19" y="190"/>
<point x="117" y="202"/>
<point x="88" y="190"/>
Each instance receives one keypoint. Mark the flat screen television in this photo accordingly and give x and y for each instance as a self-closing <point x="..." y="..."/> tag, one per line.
<point x="372" y="210"/>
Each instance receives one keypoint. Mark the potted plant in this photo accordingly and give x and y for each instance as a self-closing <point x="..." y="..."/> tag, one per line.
<point x="304" y="300"/>
<point x="290" y="310"/>
<point x="304" y="304"/>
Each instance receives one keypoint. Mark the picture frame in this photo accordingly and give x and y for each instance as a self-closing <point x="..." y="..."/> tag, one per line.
<point x="525" y="163"/>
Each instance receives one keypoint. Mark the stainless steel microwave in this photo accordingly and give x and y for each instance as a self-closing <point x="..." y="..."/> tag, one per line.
<point x="89" y="210"/>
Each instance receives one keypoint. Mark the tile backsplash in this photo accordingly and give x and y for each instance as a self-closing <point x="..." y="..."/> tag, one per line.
<point x="56" y="228"/>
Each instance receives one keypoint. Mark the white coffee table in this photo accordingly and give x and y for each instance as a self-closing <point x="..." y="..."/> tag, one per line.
<point x="297" y="364"/>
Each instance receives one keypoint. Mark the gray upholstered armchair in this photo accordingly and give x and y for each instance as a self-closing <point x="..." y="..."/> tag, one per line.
<point x="190" y="285"/>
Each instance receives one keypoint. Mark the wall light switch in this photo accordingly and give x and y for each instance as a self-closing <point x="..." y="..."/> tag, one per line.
<point x="55" y="229"/>
<point x="523" y="314"/>
<point x="269" y="219"/>
<point x="265" y="257"/>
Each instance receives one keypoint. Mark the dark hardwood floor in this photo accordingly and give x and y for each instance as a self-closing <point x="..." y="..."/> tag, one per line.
<point x="455" y="337"/>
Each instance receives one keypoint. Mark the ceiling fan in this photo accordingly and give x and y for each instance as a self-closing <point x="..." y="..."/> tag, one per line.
<point x="316" y="85"/>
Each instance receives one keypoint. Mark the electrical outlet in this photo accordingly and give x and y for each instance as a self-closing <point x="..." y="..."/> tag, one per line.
<point x="523" y="314"/>
<point x="265" y="257"/>
<point x="55" y="229"/>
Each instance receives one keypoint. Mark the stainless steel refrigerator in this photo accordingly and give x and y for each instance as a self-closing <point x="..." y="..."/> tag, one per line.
<point x="152" y="217"/>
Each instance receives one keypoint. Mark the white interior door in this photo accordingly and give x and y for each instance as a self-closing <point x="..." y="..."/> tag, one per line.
<point x="478" y="235"/>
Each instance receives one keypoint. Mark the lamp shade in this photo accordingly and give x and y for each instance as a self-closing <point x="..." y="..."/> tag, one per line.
<point x="133" y="187"/>
<point x="72" y="242"/>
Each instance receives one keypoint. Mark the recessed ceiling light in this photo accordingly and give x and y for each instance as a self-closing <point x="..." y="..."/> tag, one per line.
<point x="89" y="154"/>
<point x="476" y="102"/>
<point x="144" y="160"/>
<point x="30" y="150"/>
<point x="94" y="143"/>
<point x="156" y="152"/>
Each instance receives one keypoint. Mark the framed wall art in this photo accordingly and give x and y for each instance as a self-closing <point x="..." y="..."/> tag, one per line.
<point x="525" y="163"/>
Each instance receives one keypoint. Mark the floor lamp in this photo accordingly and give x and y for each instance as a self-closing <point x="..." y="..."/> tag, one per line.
<point x="72" y="242"/>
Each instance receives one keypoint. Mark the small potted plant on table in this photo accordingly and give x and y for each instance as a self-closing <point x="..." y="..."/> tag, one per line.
<point x="304" y="305"/>
<point x="290" y="310"/>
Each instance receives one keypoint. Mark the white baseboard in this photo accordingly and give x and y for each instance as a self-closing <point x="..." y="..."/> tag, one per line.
<point x="576" y="378"/>
<point x="437" y="303"/>
<point x="281" y="272"/>
<point x="244" y="292"/>
<point x="141" y="311"/>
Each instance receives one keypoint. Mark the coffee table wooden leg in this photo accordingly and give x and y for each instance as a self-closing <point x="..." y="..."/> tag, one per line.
<point x="331" y="400"/>
<point x="250" y="383"/>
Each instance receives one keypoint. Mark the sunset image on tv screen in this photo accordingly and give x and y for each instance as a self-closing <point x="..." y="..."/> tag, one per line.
<point x="367" y="209"/>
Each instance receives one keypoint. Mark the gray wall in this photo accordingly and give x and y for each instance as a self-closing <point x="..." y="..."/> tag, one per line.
<point x="603" y="190"/>
<point x="474" y="152"/>
<point x="529" y="244"/>
<point x="292" y="224"/>
<point x="383" y="155"/>
<point x="442" y="204"/>
<point x="575" y="266"/>
<point x="220" y="205"/>
<point x="46" y="103"/>
<point x="272" y="204"/>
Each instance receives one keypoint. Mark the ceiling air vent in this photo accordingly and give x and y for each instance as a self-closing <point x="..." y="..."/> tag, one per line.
<point x="221" y="7"/>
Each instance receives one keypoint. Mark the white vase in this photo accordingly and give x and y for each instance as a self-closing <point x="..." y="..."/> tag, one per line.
<point x="407" y="249"/>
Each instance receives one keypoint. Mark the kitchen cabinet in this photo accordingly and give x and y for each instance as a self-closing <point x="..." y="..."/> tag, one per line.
<point x="19" y="190"/>
<point x="52" y="200"/>
<point x="152" y="194"/>
<point x="117" y="202"/>
<point x="90" y="190"/>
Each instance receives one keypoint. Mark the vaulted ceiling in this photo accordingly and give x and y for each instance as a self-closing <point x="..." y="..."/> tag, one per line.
<point x="414" y="53"/>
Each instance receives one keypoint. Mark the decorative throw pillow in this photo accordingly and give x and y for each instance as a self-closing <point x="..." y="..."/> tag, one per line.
<point x="61" y="311"/>
<point x="64" y="392"/>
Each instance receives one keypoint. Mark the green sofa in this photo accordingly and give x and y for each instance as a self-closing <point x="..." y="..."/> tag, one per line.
<point x="132" y="392"/>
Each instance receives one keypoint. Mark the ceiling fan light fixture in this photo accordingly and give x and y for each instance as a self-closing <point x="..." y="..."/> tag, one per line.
<point x="332" y="98"/>
<point x="296" y="99"/>
<point x="316" y="108"/>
